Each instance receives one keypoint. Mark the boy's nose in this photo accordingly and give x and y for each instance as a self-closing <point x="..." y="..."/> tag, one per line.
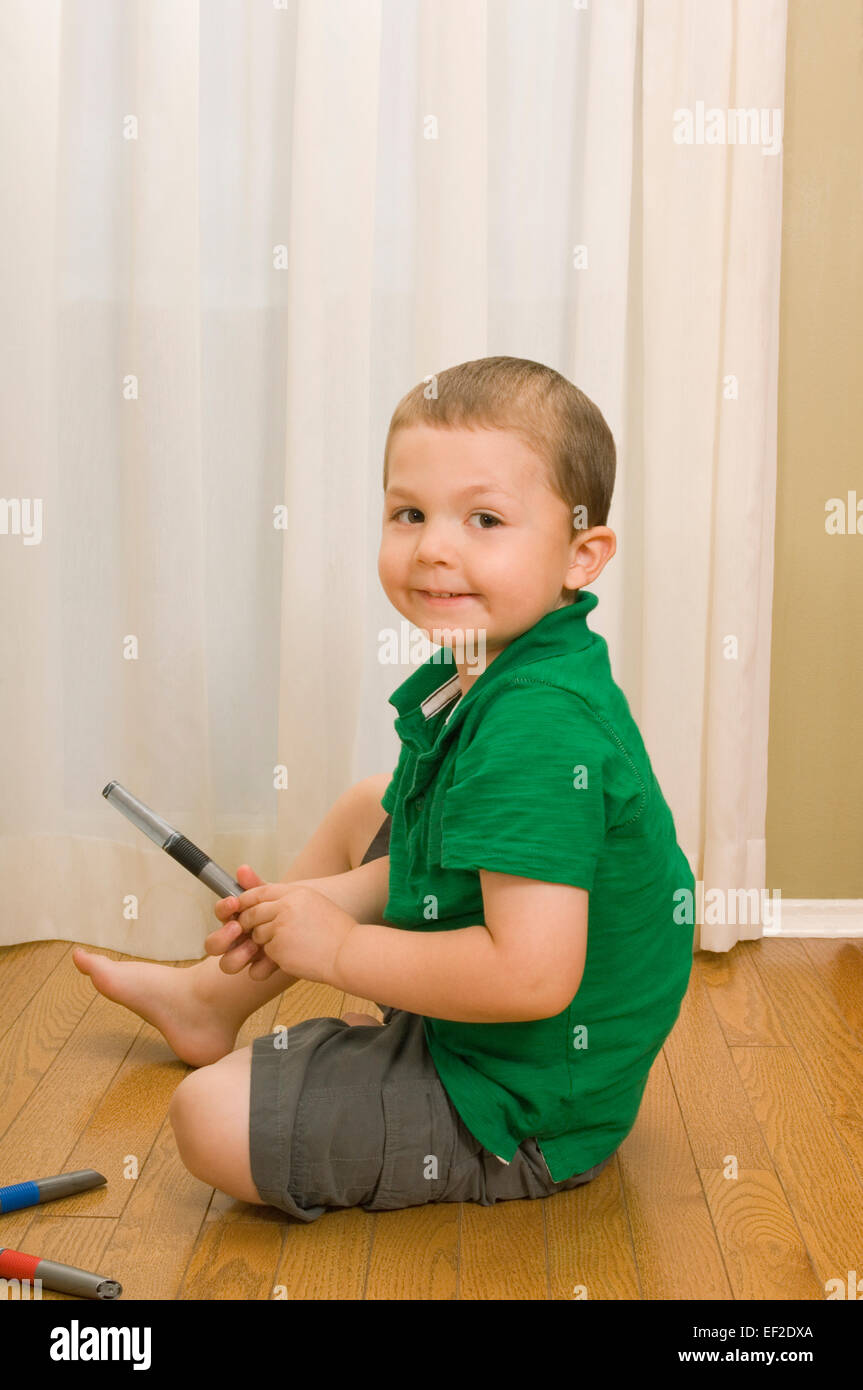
<point x="435" y="544"/>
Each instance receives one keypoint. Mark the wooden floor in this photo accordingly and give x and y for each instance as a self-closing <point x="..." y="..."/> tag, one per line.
<point x="765" y="1064"/>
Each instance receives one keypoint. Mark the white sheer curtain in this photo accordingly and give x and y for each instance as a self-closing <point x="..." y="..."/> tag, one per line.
<point x="235" y="234"/>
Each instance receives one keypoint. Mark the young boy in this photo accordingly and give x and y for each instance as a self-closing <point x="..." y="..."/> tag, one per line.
<point x="520" y="932"/>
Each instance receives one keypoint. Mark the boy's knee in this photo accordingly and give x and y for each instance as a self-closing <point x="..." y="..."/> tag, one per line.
<point x="213" y="1143"/>
<point x="178" y="1108"/>
<point x="186" y="1115"/>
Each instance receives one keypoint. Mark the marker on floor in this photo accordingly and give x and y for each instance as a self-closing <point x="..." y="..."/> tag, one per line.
<point x="15" y="1264"/>
<point x="30" y="1194"/>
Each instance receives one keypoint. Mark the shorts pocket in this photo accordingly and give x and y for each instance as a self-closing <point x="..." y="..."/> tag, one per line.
<point x="418" y="1145"/>
<point x="337" y="1147"/>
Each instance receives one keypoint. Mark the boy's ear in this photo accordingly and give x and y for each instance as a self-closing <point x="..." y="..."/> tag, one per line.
<point x="591" y="551"/>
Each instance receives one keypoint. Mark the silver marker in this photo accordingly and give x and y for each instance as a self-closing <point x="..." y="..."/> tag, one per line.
<point x="175" y="844"/>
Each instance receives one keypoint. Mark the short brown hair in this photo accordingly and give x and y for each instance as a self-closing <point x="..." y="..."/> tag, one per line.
<point x="556" y="420"/>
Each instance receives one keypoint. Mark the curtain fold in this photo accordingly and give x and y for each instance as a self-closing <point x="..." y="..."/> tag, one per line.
<point x="235" y="235"/>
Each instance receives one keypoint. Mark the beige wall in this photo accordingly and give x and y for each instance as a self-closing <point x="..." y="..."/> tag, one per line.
<point x="815" y="772"/>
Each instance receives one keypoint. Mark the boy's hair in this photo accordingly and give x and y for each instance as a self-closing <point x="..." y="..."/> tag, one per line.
<point x="556" y="420"/>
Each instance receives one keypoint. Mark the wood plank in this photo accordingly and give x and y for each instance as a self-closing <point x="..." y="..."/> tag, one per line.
<point x="839" y="964"/>
<point x="701" y="1066"/>
<point x="153" y="1241"/>
<point x="326" y="1259"/>
<point x="125" y="1122"/>
<point x="590" y="1251"/>
<point x="28" y="1051"/>
<point x="676" y="1246"/>
<point x="502" y="1251"/>
<point x="24" y="970"/>
<point x="414" y="1254"/>
<point x="742" y="1002"/>
<point x="764" y="1253"/>
<point x="828" y="1048"/>
<point x="306" y="999"/>
<point x="51" y="1121"/>
<point x="132" y="1110"/>
<point x="233" y="1261"/>
<point x="809" y="1161"/>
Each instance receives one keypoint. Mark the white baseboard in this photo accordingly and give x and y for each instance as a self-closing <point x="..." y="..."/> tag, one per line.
<point x="819" y="917"/>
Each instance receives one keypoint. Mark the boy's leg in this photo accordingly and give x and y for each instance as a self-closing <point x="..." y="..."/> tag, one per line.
<point x="199" y="1009"/>
<point x="209" y="1114"/>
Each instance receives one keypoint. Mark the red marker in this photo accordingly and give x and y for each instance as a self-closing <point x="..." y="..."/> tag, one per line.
<point x="14" y="1264"/>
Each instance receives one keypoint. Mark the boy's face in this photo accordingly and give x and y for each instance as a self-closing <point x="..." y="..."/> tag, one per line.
<point x="471" y="511"/>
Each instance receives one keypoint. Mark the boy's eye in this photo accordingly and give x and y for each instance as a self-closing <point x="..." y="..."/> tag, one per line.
<point x="488" y="516"/>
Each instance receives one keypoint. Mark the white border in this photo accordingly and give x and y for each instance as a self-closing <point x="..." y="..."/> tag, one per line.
<point x="819" y="917"/>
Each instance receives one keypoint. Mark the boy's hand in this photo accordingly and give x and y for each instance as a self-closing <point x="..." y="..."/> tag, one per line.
<point x="299" y="928"/>
<point x="231" y="942"/>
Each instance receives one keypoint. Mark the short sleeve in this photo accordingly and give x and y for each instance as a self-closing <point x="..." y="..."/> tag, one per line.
<point x="527" y="796"/>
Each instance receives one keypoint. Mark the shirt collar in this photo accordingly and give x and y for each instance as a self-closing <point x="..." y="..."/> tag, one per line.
<point x="435" y="684"/>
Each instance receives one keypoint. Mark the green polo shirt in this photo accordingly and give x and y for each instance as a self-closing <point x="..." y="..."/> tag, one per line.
<point x="540" y="771"/>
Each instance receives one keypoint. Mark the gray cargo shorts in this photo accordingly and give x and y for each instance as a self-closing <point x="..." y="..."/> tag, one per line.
<point x="354" y="1116"/>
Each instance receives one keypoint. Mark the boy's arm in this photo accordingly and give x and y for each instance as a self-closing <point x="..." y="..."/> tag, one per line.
<point x="362" y="892"/>
<point x="526" y="963"/>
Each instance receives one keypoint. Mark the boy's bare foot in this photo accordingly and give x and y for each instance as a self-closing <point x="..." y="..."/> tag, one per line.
<point x="162" y="995"/>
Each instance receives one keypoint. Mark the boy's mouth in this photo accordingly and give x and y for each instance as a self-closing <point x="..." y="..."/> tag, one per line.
<point x="443" y="597"/>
